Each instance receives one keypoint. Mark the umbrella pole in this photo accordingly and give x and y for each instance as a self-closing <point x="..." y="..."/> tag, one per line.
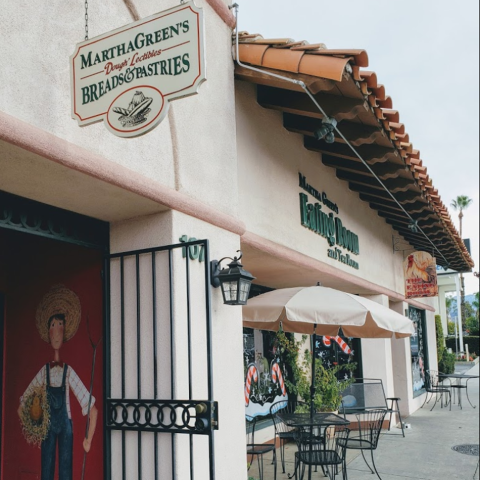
<point x="312" y="385"/>
<point x="312" y="393"/>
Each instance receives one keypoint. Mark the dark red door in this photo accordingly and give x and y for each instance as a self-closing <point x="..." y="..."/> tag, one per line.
<point x="31" y="266"/>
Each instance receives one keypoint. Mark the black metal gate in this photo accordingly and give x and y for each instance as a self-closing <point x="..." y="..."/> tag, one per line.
<point x="159" y="411"/>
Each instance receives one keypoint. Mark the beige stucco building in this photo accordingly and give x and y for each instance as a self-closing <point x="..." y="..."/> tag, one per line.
<point x="106" y="217"/>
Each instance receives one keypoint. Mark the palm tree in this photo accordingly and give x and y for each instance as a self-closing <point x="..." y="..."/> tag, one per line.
<point x="460" y="204"/>
<point x="449" y="303"/>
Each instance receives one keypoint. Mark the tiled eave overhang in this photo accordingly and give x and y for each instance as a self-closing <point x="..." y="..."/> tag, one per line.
<point x="366" y="118"/>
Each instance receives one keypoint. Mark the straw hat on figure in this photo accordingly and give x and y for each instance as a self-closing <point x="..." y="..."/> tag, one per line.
<point x="45" y="406"/>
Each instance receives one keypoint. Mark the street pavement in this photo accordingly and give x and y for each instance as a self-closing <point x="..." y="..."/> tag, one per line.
<point x="424" y="454"/>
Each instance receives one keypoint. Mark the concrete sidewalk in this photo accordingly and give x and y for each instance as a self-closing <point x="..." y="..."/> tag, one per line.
<point x="424" y="454"/>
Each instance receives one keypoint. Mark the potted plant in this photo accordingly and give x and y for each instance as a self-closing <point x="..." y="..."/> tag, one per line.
<point x="328" y="389"/>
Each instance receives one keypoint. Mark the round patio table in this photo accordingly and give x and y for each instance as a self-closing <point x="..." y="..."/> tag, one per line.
<point x="312" y="421"/>
<point x="459" y="377"/>
<point x="302" y="420"/>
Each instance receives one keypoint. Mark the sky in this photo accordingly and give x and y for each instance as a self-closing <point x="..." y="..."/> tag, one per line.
<point x="426" y="53"/>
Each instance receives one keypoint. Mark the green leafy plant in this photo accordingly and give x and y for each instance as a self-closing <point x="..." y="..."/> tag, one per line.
<point x="446" y="364"/>
<point x="471" y="340"/>
<point x="451" y="328"/>
<point x="328" y="389"/>
<point x="472" y="326"/>
<point x="440" y="338"/>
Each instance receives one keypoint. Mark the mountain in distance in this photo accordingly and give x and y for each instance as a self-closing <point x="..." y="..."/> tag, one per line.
<point x="470" y="298"/>
<point x="453" y="311"/>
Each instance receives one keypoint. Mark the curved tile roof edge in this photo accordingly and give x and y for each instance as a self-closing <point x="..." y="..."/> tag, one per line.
<point x="298" y="57"/>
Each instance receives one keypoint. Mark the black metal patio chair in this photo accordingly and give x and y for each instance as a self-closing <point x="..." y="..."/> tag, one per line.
<point x="329" y="453"/>
<point x="283" y="432"/>
<point x="369" y="428"/>
<point x="433" y="386"/>
<point x="258" y="449"/>
<point x="365" y="394"/>
<point x="368" y="394"/>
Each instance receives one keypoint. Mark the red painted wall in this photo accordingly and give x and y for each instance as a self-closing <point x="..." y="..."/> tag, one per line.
<point x="33" y="266"/>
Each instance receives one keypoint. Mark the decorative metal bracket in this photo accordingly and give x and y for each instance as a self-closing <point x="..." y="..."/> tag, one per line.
<point x="399" y="242"/>
<point x="198" y="417"/>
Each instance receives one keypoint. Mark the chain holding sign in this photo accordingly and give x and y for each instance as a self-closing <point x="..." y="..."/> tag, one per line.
<point x="128" y="76"/>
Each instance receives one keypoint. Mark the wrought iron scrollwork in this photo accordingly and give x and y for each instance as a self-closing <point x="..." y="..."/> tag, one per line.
<point x="172" y="416"/>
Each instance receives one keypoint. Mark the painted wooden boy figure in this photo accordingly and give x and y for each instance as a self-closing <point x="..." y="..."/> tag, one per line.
<point x="58" y="317"/>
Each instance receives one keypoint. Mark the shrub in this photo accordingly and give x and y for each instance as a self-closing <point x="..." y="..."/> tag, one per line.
<point x="472" y="326"/>
<point x="451" y="328"/>
<point x="447" y="363"/>
<point x="473" y="343"/>
<point x="440" y="338"/>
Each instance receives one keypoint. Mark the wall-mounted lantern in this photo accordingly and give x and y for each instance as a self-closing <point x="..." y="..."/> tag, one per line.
<point x="234" y="280"/>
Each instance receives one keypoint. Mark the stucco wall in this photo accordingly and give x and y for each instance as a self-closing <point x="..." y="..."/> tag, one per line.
<point x="270" y="159"/>
<point x="402" y="363"/>
<point x="402" y="360"/>
<point x="37" y="40"/>
<point x="377" y="354"/>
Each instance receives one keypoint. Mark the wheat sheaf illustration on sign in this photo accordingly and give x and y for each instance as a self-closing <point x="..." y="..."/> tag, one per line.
<point x="136" y="112"/>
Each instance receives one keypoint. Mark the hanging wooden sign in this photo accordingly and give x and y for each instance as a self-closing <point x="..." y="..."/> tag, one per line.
<point x="128" y="76"/>
<point x="420" y="270"/>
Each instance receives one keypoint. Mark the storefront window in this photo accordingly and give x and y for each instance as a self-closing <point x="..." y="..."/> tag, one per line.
<point x="265" y="372"/>
<point x="340" y="350"/>
<point x="418" y="347"/>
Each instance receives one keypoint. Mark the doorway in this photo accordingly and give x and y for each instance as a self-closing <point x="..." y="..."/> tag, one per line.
<point x="30" y="265"/>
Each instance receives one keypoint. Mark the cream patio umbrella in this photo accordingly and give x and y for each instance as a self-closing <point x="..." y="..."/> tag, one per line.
<point x="323" y="311"/>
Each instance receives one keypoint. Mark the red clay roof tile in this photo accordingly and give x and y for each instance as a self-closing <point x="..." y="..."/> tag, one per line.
<point x="314" y="46"/>
<point x="370" y="78"/>
<point x="391" y="115"/>
<point x="360" y="57"/>
<point x="287" y="61"/>
<point x="325" y="67"/>
<point x="387" y="103"/>
<point x="398" y="127"/>
<point x="379" y="91"/>
<point x="252" y="54"/>
<point x="291" y="45"/>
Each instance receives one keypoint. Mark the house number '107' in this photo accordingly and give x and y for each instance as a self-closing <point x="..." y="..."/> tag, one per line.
<point x="195" y="252"/>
